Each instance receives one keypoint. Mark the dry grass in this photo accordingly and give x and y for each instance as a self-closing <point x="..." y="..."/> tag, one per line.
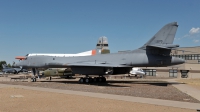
<point x="192" y="82"/>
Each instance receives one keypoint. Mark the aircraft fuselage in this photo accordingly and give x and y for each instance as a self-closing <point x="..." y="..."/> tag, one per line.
<point x="136" y="58"/>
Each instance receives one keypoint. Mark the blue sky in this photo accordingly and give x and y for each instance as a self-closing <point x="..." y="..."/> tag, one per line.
<point x="72" y="26"/>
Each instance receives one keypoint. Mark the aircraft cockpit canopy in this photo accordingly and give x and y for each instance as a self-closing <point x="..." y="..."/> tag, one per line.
<point x="140" y="70"/>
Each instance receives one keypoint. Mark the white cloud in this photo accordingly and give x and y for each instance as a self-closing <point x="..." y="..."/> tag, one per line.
<point x="185" y="36"/>
<point x="194" y="30"/>
<point x="193" y="34"/>
<point x="195" y="41"/>
<point x="177" y="38"/>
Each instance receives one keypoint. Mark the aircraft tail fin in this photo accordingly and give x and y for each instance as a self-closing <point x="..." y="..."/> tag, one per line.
<point x="102" y="46"/>
<point x="164" y="37"/>
<point x="4" y="65"/>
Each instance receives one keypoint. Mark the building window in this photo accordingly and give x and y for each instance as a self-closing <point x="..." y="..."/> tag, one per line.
<point x="188" y="57"/>
<point x="173" y="73"/>
<point x="150" y="72"/>
<point x="183" y="56"/>
<point x="105" y="44"/>
<point x="195" y="57"/>
<point x="192" y="57"/>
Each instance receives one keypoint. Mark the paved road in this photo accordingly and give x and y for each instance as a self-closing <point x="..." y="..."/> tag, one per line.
<point x="115" y="97"/>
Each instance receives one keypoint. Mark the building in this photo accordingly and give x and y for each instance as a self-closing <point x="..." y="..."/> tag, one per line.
<point x="190" y="69"/>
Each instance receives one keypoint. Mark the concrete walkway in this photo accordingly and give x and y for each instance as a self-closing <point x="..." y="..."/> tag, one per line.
<point x="193" y="92"/>
<point x="178" y="104"/>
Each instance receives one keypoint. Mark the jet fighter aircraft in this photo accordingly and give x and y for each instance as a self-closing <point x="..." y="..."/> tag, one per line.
<point x="137" y="71"/>
<point x="11" y="70"/>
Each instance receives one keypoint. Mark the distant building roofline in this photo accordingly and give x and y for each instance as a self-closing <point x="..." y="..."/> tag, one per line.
<point x="189" y="47"/>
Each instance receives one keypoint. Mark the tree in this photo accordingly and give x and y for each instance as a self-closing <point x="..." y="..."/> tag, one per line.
<point x="2" y="62"/>
<point x="9" y="65"/>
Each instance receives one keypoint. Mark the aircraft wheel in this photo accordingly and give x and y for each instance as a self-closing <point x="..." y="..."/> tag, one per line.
<point x="100" y="79"/>
<point x="81" y="80"/>
<point x="50" y="78"/>
<point x="33" y="79"/>
<point x="87" y="80"/>
<point x="95" y="79"/>
<point x="91" y="79"/>
<point x="104" y="79"/>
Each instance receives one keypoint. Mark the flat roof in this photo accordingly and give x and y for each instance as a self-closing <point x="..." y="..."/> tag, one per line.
<point x="189" y="47"/>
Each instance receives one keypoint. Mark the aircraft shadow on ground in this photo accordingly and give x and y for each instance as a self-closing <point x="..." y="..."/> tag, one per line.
<point x="94" y="84"/>
<point x="155" y="83"/>
<point x="118" y="83"/>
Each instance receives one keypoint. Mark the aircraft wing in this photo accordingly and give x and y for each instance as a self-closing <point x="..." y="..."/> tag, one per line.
<point x="92" y="67"/>
<point x="98" y="65"/>
<point x="88" y="64"/>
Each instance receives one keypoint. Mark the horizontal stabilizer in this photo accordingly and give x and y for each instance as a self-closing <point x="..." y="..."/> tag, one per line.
<point x="167" y="46"/>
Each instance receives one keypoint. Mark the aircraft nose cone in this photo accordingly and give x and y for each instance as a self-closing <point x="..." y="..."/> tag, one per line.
<point x="176" y="60"/>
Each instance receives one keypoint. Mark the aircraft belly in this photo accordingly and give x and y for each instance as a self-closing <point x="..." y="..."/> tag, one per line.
<point x="88" y="70"/>
<point x="99" y="70"/>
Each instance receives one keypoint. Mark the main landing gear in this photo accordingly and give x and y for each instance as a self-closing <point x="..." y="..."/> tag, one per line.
<point x="90" y="80"/>
<point x="35" y="71"/>
<point x="33" y="79"/>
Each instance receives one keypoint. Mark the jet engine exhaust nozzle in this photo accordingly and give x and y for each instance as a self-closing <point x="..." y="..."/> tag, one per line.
<point x="176" y="60"/>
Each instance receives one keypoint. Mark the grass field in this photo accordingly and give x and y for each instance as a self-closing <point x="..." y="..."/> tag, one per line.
<point x="192" y="82"/>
